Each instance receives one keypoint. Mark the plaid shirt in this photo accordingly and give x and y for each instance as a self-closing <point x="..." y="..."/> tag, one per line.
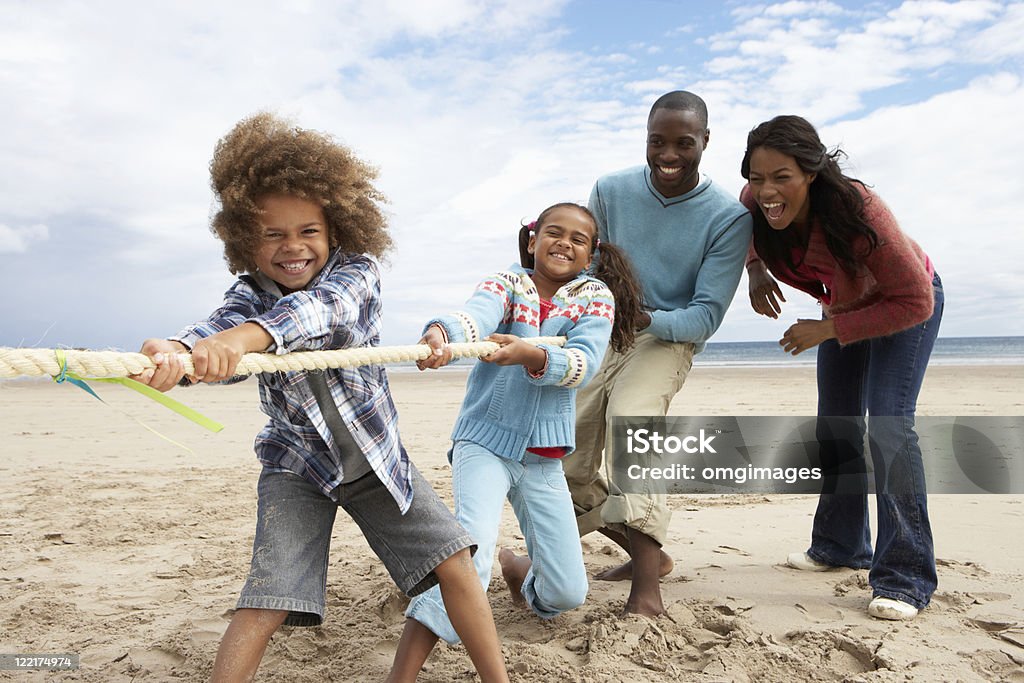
<point x="340" y="308"/>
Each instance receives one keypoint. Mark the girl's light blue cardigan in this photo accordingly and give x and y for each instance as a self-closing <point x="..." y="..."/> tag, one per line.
<point x="506" y="409"/>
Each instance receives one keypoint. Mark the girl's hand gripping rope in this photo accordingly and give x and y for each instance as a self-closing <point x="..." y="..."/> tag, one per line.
<point x="515" y="351"/>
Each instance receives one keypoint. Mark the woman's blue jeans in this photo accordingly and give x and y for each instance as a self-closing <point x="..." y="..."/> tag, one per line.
<point x="882" y="378"/>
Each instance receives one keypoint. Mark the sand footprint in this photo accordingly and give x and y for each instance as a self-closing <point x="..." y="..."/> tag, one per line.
<point x="967" y="568"/>
<point x="729" y="550"/>
<point x="154" y="659"/>
<point x="819" y="613"/>
<point x="984" y="597"/>
<point x="208" y="630"/>
<point x="959" y="601"/>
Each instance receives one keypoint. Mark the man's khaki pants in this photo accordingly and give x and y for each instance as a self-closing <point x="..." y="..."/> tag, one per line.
<point x="642" y="381"/>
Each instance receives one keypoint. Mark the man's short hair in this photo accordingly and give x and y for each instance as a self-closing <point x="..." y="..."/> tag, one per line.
<point x="682" y="100"/>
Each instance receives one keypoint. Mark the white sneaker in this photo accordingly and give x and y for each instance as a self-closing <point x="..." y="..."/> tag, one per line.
<point x="805" y="562"/>
<point x="894" y="610"/>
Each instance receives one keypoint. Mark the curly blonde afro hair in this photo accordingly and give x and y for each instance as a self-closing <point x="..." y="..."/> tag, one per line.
<point x="264" y="155"/>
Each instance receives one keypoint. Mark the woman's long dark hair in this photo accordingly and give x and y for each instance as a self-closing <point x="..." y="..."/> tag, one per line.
<point x="612" y="267"/>
<point x="835" y="201"/>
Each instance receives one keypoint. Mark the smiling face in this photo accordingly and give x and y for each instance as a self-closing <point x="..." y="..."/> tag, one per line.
<point x="561" y="246"/>
<point x="294" y="245"/>
<point x="676" y="139"/>
<point x="781" y="188"/>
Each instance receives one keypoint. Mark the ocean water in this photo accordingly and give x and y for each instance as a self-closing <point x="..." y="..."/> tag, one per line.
<point x="948" y="351"/>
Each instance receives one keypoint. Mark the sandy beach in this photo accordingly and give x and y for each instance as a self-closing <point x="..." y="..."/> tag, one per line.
<point x="130" y="552"/>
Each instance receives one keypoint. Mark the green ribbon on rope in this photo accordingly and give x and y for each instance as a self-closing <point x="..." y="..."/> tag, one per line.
<point x="147" y="391"/>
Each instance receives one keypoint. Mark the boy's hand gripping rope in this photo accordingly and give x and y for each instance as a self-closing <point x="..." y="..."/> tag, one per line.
<point x="95" y="364"/>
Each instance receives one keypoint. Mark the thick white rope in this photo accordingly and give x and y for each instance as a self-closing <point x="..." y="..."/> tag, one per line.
<point x="94" y="364"/>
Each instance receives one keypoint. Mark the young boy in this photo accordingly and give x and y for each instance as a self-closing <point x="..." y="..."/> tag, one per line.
<point x="298" y="215"/>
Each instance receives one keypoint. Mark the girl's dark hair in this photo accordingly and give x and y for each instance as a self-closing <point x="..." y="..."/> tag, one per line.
<point x="611" y="266"/>
<point x="264" y="155"/>
<point x="835" y="201"/>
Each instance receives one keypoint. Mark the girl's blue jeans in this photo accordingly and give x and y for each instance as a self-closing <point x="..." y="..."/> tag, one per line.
<point x="536" y="488"/>
<point x="881" y="377"/>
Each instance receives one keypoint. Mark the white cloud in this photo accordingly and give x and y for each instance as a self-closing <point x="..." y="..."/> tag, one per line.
<point x="617" y="58"/>
<point x="1002" y="39"/>
<point x="654" y="86"/>
<point x="786" y="55"/>
<point x="795" y="8"/>
<point x="18" y="240"/>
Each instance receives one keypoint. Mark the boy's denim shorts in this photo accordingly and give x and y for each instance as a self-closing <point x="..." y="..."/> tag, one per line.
<point x="293" y="536"/>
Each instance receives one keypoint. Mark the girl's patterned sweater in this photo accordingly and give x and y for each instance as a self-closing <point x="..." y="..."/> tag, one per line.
<point x="506" y="409"/>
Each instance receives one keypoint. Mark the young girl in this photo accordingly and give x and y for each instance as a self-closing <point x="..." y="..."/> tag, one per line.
<point x="518" y="416"/>
<point x="297" y="212"/>
<point x="828" y="235"/>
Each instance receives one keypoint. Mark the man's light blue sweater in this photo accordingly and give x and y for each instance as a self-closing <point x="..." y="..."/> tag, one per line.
<point x="687" y="251"/>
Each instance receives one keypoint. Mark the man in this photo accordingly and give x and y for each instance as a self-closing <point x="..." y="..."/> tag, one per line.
<point x="687" y="239"/>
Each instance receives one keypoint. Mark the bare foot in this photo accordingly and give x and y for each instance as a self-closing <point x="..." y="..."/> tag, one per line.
<point x="644" y="607"/>
<point x="645" y="588"/>
<point x="513" y="569"/>
<point x="624" y="572"/>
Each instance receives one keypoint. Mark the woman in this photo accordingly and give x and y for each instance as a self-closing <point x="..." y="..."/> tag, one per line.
<point x="828" y="235"/>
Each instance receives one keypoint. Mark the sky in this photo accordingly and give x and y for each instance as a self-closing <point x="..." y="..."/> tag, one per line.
<point x="478" y="114"/>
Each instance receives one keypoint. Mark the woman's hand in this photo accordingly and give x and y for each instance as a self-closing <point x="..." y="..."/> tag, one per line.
<point x="763" y="291"/>
<point x="440" y="353"/>
<point x="169" y="369"/>
<point x="806" y="334"/>
<point x="515" y="351"/>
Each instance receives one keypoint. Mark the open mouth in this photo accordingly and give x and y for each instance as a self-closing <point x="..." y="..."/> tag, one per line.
<point x="773" y="210"/>
<point x="294" y="266"/>
<point x="558" y="256"/>
<point x="670" y="171"/>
